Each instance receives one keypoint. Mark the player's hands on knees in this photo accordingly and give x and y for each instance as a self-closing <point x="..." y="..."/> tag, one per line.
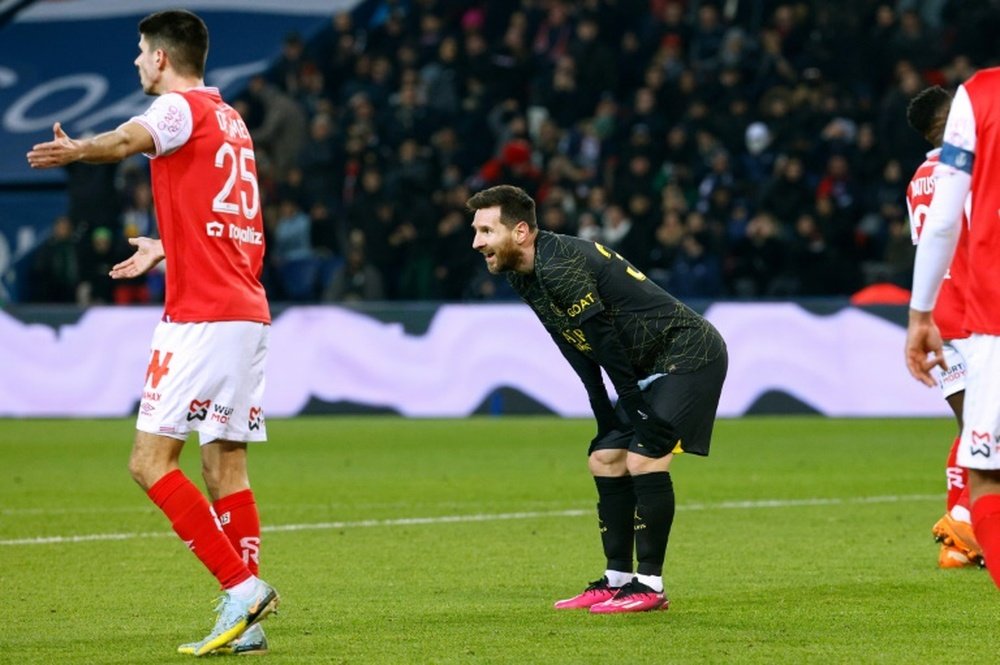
<point x="608" y="421"/>
<point x="649" y="427"/>
<point x="654" y="431"/>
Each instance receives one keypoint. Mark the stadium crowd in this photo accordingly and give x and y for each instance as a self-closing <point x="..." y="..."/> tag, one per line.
<point x="729" y="149"/>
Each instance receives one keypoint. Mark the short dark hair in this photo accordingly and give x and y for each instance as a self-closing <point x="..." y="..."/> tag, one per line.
<point x="515" y="205"/>
<point x="183" y="35"/>
<point x="927" y="110"/>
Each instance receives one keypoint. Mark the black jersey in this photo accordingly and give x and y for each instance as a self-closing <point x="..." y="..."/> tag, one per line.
<point x="574" y="279"/>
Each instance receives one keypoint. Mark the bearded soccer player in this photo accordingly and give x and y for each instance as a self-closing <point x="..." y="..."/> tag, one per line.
<point x="206" y="368"/>
<point x="927" y="113"/>
<point x="667" y="365"/>
<point x="969" y="161"/>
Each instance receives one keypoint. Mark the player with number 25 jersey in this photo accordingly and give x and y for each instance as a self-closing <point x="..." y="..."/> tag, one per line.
<point x="206" y="364"/>
<point x="204" y="181"/>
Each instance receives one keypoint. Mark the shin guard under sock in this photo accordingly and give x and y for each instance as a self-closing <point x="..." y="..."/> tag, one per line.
<point x="189" y="514"/>
<point x="237" y="513"/>
<point x="654" y="515"/>
<point x="616" y="516"/>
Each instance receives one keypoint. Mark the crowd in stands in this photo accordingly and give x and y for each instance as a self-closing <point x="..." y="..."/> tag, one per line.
<point x="729" y="149"/>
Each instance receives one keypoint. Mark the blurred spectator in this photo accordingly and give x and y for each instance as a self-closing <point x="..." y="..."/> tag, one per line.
<point x="787" y="195"/>
<point x="139" y="216"/>
<point x="356" y="279"/>
<point x="697" y="270"/>
<point x="279" y="137"/>
<point x="96" y="258"/>
<point x="55" y="270"/>
<point x="666" y="248"/>
<point x="139" y="290"/>
<point x="595" y="62"/>
<point x="758" y="259"/>
<point x="290" y="251"/>
<point x="319" y="161"/>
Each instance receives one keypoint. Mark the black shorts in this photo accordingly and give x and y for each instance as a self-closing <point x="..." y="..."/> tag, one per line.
<point x="686" y="401"/>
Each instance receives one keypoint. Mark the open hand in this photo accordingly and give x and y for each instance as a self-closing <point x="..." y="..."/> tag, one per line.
<point x="148" y="253"/>
<point x="61" y="150"/>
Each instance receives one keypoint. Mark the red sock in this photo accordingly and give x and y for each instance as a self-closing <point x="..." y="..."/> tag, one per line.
<point x="956" y="476"/>
<point x="986" y="525"/>
<point x="237" y="514"/>
<point x="963" y="500"/>
<point x="189" y="514"/>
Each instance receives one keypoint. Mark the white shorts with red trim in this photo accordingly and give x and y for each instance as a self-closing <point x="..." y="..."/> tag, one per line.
<point x="953" y="381"/>
<point x="980" y="448"/>
<point x="206" y="378"/>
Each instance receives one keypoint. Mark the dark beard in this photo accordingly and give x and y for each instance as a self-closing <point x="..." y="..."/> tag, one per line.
<point x="505" y="258"/>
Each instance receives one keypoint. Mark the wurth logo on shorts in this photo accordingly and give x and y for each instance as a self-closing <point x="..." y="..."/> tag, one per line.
<point x="198" y="410"/>
<point x="214" y="229"/>
<point x="220" y="413"/>
<point x="256" y="418"/>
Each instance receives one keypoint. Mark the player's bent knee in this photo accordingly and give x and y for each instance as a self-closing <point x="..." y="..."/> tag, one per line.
<point x="640" y="464"/>
<point x="145" y="471"/>
<point x="609" y="462"/>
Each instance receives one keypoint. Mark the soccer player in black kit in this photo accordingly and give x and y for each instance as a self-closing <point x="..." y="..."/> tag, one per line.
<point x="666" y="362"/>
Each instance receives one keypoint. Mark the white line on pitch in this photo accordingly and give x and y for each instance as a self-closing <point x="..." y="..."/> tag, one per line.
<point x="487" y="517"/>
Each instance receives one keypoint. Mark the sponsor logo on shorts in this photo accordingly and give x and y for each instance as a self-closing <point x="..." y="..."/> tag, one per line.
<point x="220" y="413"/>
<point x="982" y="443"/>
<point x="198" y="410"/>
<point x="150" y="396"/>
<point x="146" y="408"/>
<point x="954" y="373"/>
<point x="256" y="418"/>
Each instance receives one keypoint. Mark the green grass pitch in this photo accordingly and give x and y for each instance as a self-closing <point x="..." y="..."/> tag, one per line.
<point x="800" y="540"/>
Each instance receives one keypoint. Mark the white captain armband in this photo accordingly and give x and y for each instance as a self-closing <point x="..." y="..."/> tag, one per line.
<point x="958" y="158"/>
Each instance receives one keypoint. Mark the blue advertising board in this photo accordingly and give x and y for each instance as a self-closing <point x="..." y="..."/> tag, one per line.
<point x="72" y="61"/>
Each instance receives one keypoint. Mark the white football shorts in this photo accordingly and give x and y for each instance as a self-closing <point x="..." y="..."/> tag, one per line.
<point x="953" y="381"/>
<point x="980" y="447"/>
<point x="208" y="378"/>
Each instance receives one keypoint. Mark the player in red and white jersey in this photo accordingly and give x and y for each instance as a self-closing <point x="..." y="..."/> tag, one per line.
<point x="927" y="114"/>
<point x="969" y="161"/>
<point x="206" y="368"/>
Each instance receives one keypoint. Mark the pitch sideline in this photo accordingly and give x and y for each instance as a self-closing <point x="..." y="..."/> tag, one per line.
<point x="484" y="517"/>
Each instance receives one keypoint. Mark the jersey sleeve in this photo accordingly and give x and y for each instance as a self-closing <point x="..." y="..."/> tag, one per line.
<point x="960" y="133"/>
<point x="170" y="122"/>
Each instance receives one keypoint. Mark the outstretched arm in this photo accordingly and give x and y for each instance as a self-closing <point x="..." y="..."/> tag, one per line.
<point x="148" y="253"/>
<point x="128" y="139"/>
